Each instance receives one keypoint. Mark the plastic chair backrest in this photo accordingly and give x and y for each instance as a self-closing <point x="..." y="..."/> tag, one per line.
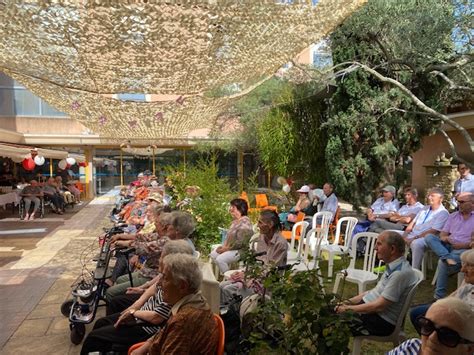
<point x="350" y="225"/>
<point x="300" y="216"/>
<point x="220" y="325"/>
<point x="369" y="252"/>
<point x="336" y="217"/>
<point x="299" y="229"/>
<point x="325" y="218"/>
<point x="245" y="197"/>
<point x="79" y="186"/>
<point x="401" y="319"/>
<point x="261" y="200"/>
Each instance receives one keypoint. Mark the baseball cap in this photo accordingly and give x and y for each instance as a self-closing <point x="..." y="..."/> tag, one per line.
<point x="390" y="188"/>
<point x="304" y="189"/>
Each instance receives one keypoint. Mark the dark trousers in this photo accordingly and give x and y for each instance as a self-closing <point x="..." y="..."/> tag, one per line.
<point x="120" y="267"/>
<point x="105" y="337"/>
<point x="121" y="302"/>
<point x="371" y="323"/>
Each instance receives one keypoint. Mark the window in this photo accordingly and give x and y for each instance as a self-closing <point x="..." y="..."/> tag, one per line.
<point x="16" y="100"/>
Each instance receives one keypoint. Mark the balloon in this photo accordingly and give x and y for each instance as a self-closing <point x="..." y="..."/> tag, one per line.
<point x="28" y="164"/>
<point x="71" y="161"/>
<point x="39" y="160"/>
<point x="286" y="188"/>
<point x="68" y="165"/>
<point x="62" y="164"/>
<point x="281" y="180"/>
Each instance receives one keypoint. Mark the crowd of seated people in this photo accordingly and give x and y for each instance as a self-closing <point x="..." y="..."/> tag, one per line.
<point x="52" y="190"/>
<point x="165" y="309"/>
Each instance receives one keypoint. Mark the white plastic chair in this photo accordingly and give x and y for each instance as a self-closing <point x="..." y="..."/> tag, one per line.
<point x="305" y="262"/>
<point x="252" y="245"/>
<point x="366" y="275"/>
<point x="398" y="334"/>
<point x="322" y="229"/>
<point x="336" y="249"/>
<point x="295" y="254"/>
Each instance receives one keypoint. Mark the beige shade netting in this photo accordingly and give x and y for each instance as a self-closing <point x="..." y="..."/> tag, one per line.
<point x="75" y="54"/>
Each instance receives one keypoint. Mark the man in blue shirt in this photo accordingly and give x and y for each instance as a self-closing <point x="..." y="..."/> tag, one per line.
<point x="465" y="183"/>
<point x="380" y="308"/>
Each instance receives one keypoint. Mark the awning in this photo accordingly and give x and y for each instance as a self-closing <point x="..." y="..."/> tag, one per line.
<point x="18" y="152"/>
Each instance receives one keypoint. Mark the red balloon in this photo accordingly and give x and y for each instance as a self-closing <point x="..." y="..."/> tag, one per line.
<point x="68" y="166"/>
<point x="28" y="164"/>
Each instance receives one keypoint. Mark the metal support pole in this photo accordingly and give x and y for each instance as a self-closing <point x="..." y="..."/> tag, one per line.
<point x="240" y="162"/>
<point x="50" y="167"/>
<point x="153" y="152"/>
<point x="184" y="161"/>
<point x="121" y="167"/>
<point x="269" y="179"/>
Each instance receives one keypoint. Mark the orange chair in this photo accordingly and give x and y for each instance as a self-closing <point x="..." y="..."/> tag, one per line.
<point x="220" y="344"/>
<point x="80" y="187"/>
<point x="221" y="328"/>
<point x="245" y="197"/>
<point x="287" y="234"/>
<point x="261" y="202"/>
<point x="333" y="225"/>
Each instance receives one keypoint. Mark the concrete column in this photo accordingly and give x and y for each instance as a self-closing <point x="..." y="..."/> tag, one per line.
<point x="89" y="153"/>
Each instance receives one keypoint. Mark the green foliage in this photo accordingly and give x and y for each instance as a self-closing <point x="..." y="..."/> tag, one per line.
<point x="299" y="316"/>
<point x="211" y="208"/>
<point x="276" y="139"/>
<point x="373" y="127"/>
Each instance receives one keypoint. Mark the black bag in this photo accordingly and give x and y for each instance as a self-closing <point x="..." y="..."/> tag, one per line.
<point x="231" y="317"/>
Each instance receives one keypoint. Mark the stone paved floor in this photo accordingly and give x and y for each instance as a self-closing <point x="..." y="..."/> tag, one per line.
<point x="34" y="286"/>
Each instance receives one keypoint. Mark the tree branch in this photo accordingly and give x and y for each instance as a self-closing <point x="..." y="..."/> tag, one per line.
<point x="459" y="62"/>
<point x="453" y="149"/>
<point x="452" y="84"/>
<point x="416" y="100"/>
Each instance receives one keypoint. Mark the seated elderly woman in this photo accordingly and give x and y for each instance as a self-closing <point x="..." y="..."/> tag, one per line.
<point x="447" y="329"/>
<point x="465" y="292"/>
<point x="138" y="322"/>
<point x="302" y="204"/>
<point x="51" y="191"/>
<point x="273" y="249"/>
<point x="238" y="235"/>
<point x="181" y="226"/>
<point x="191" y="328"/>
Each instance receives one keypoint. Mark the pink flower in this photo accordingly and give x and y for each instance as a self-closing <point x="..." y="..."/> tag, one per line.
<point x="133" y="124"/>
<point x="102" y="120"/>
<point x="159" y="116"/>
<point x="180" y="100"/>
<point x="75" y="105"/>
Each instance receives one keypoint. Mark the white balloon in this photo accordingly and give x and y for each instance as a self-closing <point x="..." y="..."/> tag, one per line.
<point x="62" y="164"/>
<point x="286" y="188"/>
<point x="39" y="160"/>
<point x="71" y="161"/>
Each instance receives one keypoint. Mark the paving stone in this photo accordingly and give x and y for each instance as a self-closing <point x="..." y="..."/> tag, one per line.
<point x="59" y="325"/>
<point x="51" y="345"/>
<point x="33" y="328"/>
<point x="45" y="311"/>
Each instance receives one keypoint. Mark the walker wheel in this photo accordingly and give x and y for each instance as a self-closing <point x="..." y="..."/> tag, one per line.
<point x="78" y="330"/>
<point x="66" y="308"/>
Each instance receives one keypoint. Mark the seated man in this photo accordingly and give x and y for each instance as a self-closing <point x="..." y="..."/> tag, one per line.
<point x="328" y="202"/>
<point x="31" y="193"/>
<point x="447" y="329"/>
<point x="379" y="308"/>
<point x="454" y="239"/>
<point x="399" y="220"/>
<point x="191" y="328"/>
<point x="430" y="220"/>
<point x="381" y="208"/>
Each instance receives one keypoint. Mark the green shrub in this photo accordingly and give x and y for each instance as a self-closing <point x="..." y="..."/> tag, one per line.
<point x="210" y="209"/>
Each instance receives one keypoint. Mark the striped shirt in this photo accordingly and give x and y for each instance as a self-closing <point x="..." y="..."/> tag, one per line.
<point x="156" y="303"/>
<point x="408" y="347"/>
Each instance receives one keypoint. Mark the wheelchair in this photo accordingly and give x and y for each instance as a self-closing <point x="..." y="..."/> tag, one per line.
<point x="40" y="210"/>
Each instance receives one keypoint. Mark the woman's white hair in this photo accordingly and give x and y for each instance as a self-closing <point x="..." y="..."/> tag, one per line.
<point x="468" y="257"/>
<point x="177" y="247"/>
<point x="462" y="311"/>
<point x="184" y="268"/>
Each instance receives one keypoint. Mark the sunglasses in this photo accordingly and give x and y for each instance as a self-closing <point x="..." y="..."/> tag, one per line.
<point x="446" y="336"/>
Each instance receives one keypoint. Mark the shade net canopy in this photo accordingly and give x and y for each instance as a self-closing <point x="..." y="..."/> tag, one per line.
<point x="78" y="54"/>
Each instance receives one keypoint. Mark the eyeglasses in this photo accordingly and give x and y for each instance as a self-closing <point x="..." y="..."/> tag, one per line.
<point x="446" y="336"/>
